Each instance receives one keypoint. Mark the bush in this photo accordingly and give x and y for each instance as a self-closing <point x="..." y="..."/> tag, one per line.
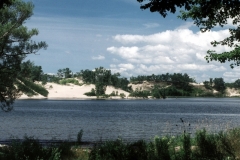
<point x="138" y="150"/>
<point x="113" y="94"/>
<point x="115" y="150"/>
<point x="207" y="146"/>
<point x="203" y="146"/>
<point x="79" y="136"/>
<point x="104" y="96"/>
<point x="208" y="94"/>
<point x="140" y="93"/>
<point x="92" y="93"/>
<point x="29" y="148"/>
<point x="161" y="146"/>
<point x="69" y="80"/>
<point x="122" y="95"/>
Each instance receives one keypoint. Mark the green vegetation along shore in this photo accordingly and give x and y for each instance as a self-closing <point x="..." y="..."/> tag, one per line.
<point x="143" y="86"/>
<point x="201" y="146"/>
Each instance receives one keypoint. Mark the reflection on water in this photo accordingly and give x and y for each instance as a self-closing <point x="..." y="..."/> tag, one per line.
<point x="110" y="119"/>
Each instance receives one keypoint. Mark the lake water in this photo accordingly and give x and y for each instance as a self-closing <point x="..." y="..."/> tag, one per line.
<point x="110" y="119"/>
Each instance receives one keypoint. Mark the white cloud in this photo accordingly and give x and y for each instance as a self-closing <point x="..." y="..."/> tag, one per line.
<point x="125" y="52"/>
<point x="115" y="60"/>
<point x="219" y="69"/>
<point x="113" y="66"/>
<point x="186" y="25"/>
<point x="232" y="75"/>
<point x="205" y="76"/>
<point x="179" y="50"/>
<point x="126" y="66"/>
<point x="99" y="57"/>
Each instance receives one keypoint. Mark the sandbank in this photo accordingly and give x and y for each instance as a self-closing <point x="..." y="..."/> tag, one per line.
<point x="71" y="91"/>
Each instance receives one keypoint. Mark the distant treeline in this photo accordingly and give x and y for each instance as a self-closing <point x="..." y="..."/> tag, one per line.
<point x="175" y="78"/>
<point x="163" y="85"/>
<point x="176" y="84"/>
<point x="102" y="76"/>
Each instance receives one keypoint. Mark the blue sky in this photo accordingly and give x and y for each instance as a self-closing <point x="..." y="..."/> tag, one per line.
<point x="118" y="35"/>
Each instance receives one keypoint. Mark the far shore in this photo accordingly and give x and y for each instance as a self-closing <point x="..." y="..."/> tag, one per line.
<point x="76" y="92"/>
<point x="71" y="91"/>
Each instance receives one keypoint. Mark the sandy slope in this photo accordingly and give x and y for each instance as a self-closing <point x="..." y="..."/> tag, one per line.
<point x="232" y="92"/>
<point x="57" y="91"/>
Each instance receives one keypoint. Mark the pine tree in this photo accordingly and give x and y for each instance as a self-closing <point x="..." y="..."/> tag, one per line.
<point x="15" y="45"/>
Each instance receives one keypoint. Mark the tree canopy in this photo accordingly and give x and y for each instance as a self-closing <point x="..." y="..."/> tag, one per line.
<point x="15" y="45"/>
<point x="206" y="14"/>
<point x="31" y="71"/>
<point x="65" y="73"/>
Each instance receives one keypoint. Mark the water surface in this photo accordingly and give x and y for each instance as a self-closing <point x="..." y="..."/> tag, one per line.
<point x="110" y="119"/>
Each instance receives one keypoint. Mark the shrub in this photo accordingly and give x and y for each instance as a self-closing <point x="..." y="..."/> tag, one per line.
<point x="208" y="145"/>
<point x="122" y="95"/>
<point x="65" y="150"/>
<point x="112" y="94"/>
<point x="104" y="96"/>
<point x="92" y="93"/>
<point x="233" y="137"/>
<point x="69" y="80"/>
<point x="79" y="136"/>
<point x="138" y="150"/>
<point x="115" y="150"/>
<point x="140" y="93"/>
<point x="161" y="146"/>
<point x="29" y="148"/>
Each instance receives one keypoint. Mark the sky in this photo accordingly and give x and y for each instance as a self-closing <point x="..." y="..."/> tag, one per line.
<point x="118" y="35"/>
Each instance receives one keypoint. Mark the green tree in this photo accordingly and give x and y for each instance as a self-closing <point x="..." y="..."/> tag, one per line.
<point x="87" y="76"/>
<point x="208" y="84"/>
<point x="31" y="71"/>
<point x="219" y="84"/>
<point x="206" y="14"/>
<point x="5" y="3"/>
<point x="65" y="73"/>
<point x="15" y="45"/>
<point x="115" y="80"/>
<point x="60" y="73"/>
<point x="237" y="83"/>
<point x="102" y="79"/>
<point x="158" y="92"/>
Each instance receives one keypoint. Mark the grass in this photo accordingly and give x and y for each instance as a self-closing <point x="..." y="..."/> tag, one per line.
<point x="203" y="145"/>
<point x="70" y="80"/>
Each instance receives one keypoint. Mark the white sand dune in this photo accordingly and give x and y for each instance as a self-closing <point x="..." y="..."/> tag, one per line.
<point x="232" y="92"/>
<point x="70" y="91"/>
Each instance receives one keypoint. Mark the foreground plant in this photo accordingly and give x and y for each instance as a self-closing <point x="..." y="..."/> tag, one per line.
<point x="15" y="45"/>
<point x="203" y="146"/>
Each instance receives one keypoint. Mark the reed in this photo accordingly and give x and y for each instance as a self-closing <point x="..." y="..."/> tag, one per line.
<point x="202" y="145"/>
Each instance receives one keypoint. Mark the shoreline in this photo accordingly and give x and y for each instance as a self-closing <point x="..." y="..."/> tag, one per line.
<point x="71" y="91"/>
<point x="76" y="92"/>
<point x="109" y="99"/>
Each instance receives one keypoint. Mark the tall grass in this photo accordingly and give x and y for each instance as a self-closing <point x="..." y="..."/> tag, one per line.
<point x="202" y="145"/>
<point x="70" y="80"/>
